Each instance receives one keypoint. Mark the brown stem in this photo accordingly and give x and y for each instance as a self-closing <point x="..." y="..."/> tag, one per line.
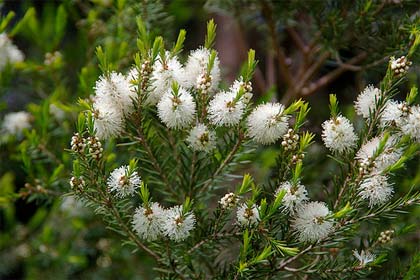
<point x="192" y="170"/>
<point x="224" y="163"/>
<point x="294" y="93"/>
<point x="155" y="163"/>
<point x="284" y="73"/>
<point x="328" y="78"/>
<point x="48" y="153"/>
<point x="214" y="237"/>
<point x="297" y="40"/>
<point x="292" y="259"/>
<point x="129" y="232"/>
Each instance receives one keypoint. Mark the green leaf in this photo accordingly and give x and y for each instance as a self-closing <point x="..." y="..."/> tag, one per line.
<point x="144" y="193"/>
<point x="246" y="184"/>
<point x="333" y="106"/>
<point x="28" y="21"/>
<point x="343" y="211"/>
<point x="263" y="255"/>
<point x="179" y="42"/>
<point x="6" y="20"/>
<point x="211" y="34"/>
<point x="414" y="269"/>
<point x="56" y="173"/>
<point x="60" y="24"/>
<point x="250" y="66"/>
<point x="37" y="219"/>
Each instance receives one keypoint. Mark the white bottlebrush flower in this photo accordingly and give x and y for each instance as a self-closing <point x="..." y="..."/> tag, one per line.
<point x="376" y="189"/>
<point x="15" y="123"/>
<point x="267" y="123"/>
<point x="388" y="157"/>
<point x="147" y="221"/>
<point x="224" y="109"/>
<point x="393" y="113"/>
<point x="338" y="135"/>
<point x="201" y="138"/>
<point x="176" y="111"/>
<point x="364" y="257"/>
<point x="9" y="52"/>
<point x="229" y="200"/>
<point x="196" y="65"/>
<point x="366" y="101"/>
<point x="177" y="225"/>
<point x="116" y="90"/>
<point x="108" y="120"/>
<point x="123" y="182"/>
<point x="162" y="77"/>
<point x="294" y="197"/>
<point x="248" y="215"/>
<point x="411" y="126"/>
<point x="311" y="223"/>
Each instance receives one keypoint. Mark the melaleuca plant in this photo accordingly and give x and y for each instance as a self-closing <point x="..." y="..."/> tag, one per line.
<point x="41" y="77"/>
<point x="157" y="151"/>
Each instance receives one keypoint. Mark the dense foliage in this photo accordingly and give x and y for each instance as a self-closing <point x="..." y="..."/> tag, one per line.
<point x="131" y="149"/>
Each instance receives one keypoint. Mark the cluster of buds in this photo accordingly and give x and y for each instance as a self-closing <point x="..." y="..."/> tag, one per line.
<point x="51" y="58"/>
<point x="247" y="87"/>
<point x="229" y="200"/>
<point x="33" y="188"/>
<point x="145" y="72"/>
<point x="290" y="140"/>
<point x="366" y="166"/>
<point x="298" y="158"/>
<point x="204" y="82"/>
<point x="77" y="183"/>
<point x="95" y="147"/>
<point x="78" y="143"/>
<point x="400" y="65"/>
<point x="404" y="108"/>
<point x="385" y="236"/>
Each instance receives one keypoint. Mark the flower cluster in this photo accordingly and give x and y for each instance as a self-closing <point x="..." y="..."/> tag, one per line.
<point x="267" y="123"/>
<point x="290" y="140"/>
<point x="248" y="215"/>
<point x="15" y="123"/>
<point x="311" y="221"/>
<point x="187" y="97"/>
<point x="189" y="133"/>
<point x="9" y="52"/>
<point x="78" y="143"/>
<point x="77" y="182"/>
<point x="364" y="257"/>
<point x="338" y="135"/>
<point x="296" y="194"/>
<point x="95" y="147"/>
<point x="152" y="222"/>
<point x="177" y="108"/>
<point x="385" y="236"/>
<point x="400" y="65"/>
<point x="229" y="200"/>
<point x="201" y="138"/>
<point x="123" y="182"/>
<point x="366" y="101"/>
<point x="113" y="100"/>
